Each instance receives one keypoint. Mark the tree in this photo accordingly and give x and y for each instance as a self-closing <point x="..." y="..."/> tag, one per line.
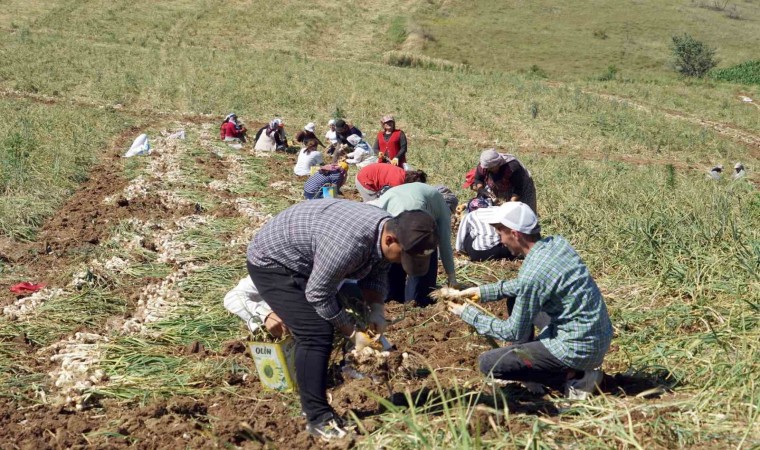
<point x="692" y="58"/>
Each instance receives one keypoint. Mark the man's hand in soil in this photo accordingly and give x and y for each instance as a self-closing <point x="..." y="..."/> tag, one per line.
<point x="275" y="325"/>
<point x="455" y="308"/>
<point x="377" y="322"/>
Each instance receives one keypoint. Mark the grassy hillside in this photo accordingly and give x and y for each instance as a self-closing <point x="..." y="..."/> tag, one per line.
<point x="619" y="165"/>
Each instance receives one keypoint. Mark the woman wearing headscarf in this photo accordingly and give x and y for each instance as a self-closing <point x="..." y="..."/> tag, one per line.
<point x="272" y="137"/>
<point x="362" y="154"/>
<point x="231" y="129"/>
<point x="391" y="142"/>
<point x="505" y="178"/>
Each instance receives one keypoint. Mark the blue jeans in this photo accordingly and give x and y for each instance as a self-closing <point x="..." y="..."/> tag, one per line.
<point x="403" y="288"/>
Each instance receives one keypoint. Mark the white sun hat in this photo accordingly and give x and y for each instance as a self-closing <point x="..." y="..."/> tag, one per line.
<point x="514" y="215"/>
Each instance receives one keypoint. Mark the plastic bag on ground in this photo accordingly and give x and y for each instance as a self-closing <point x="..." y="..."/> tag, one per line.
<point x="140" y="146"/>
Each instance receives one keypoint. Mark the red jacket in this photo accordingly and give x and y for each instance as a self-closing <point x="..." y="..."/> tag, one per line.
<point x="392" y="147"/>
<point x="375" y="176"/>
<point x="228" y="129"/>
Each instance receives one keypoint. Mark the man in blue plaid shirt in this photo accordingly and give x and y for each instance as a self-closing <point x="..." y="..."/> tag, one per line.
<point x="299" y="259"/>
<point x="553" y="282"/>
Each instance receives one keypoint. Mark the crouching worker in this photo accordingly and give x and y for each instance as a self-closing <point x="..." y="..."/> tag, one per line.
<point x="328" y="175"/>
<point x="479" y="240"/>
<point x="245" y="302"/>
<point x="297" y="268"/>
<point x="552" y="280"/>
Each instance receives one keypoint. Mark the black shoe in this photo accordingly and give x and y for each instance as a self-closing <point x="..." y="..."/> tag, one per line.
<point x="328" y="427"/>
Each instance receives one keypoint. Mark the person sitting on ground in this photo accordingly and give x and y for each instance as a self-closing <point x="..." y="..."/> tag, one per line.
<point x="343" y="130"/>
<point x="420" y="196"/>
<point x="331" y="136"/>
<point x="272" y="137"/>
<point x="308" y="133"/>
<point x="504" y="177"/>
<point x="362" y="154"/>
<point x="479" y="240"/>
<point x="716" y="172"/>
<point x="308" y="157"/>
<point x="738" y="171"/>
<point x="391" y="142"/>
<point x="245" y="302"/>
<point x="552" y="280"/>
<point x="329" y="175"/>
<point x="374" y="179"/>
<point x="298" y="260"/>
<point x="232" y="129"/>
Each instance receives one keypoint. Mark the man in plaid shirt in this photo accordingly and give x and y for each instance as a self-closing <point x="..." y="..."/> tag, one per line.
<point x="298" y="260"/>
<point x="554" y="282"/>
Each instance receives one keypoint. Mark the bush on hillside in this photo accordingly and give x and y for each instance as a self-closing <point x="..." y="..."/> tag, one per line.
<point x="745" y="73"/>
<point x="692" y="58"/>
<point x="406" y="59"/>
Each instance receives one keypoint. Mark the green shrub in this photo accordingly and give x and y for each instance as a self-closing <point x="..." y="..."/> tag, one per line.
<point x="745" y="73"/>
<point x="537" y="72"/>
<point x="610" y="75"/>
<point x="692" y="58"/>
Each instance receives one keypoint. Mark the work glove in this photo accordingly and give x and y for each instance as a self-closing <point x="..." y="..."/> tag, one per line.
<point x="377" y="321"/>
<point x="360" y="340"/>
<point x="394" y="161"/>
<point x="455" y="308"/>
<point x="472" y="294"/>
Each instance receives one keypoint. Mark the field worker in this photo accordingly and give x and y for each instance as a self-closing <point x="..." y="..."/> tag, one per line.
<point x="272" y="137"/>
<point x="308" y="133"/>
<point x="553" y="280"/>
<point x="391" y="142"/>
<point x="738" y="171"/>
<point x="362" y="154"/>
<point x="331" y="136"/>
<point x="232" y="130"/>
<point x="716" y="172"/>
<point x="245" y="302"/>
<point x="308" y="157"/>
<point x="345" y="129"/>
<point x="416" y="196"/>
<point x="329" y="175"/>
<point x="479" y="240"/>
<point x="299" y="258"/>
<point x="505" y="177"/>
<point x="374" y="179"/>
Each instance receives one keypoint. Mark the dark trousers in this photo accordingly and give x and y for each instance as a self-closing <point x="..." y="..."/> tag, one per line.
<point x="403" y="288"/>
<point x="498" y="252"/>
<point x="284" y="291"/>
<point x="525" y="359"/>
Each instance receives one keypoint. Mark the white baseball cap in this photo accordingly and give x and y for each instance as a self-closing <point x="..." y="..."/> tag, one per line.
<point x="309" y="127"/>
<point x="514" y="215"/>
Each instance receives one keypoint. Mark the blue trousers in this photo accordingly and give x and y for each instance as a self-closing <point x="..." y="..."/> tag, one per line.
<point x="403" y="288"/>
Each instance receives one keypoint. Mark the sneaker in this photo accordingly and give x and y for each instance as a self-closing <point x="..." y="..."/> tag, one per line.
<point x="585" y="386"/>
<point x="327" y="428"/>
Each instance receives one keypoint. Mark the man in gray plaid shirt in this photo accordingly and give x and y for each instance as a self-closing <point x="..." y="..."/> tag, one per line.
<point x="298" y="260"/>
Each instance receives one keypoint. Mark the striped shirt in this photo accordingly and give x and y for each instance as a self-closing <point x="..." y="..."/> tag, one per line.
<point x="327" y="240"/>
<point x="319" y="179"/>
<point x="553" y="279"/>
<point x="484" y="236"/>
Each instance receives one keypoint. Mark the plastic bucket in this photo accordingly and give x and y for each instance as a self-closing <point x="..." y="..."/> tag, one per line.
<point x="328" y="191"/>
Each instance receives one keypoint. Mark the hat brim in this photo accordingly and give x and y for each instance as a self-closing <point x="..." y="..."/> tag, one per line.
<point x="415" y="265"/>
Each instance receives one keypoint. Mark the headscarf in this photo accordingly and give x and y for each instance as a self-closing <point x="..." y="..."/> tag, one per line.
<point x="490" y="158"/>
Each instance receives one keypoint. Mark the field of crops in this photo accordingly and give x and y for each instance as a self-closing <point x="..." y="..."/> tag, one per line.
<point x="129" y="345"/>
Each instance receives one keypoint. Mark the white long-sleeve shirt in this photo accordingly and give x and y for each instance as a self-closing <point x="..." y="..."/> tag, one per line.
<point x="306" y="161"/>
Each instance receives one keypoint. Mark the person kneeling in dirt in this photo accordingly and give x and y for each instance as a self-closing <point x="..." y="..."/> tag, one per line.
<point x="503" y="177"/>
<point x="245" y="302"/>
<point x="232" y="130"/>
<point x="554" y="282"/>
<point x="479" y="240"/>
<point x="361" y="153"/>
<point x="307" y="133"/>
<point x="373" y="180"/>
<point x="416" y="196"/>
<point x="308" y="157"/>
<point x="271" y="137"/>
<point x="329" y="175"/>
<point x="297" y="266"/>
